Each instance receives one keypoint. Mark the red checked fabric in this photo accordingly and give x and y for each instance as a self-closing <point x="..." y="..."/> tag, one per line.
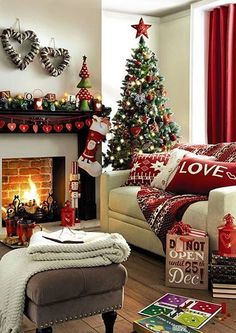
<point x="144" y="167"/>
<point x="197" y="176"/>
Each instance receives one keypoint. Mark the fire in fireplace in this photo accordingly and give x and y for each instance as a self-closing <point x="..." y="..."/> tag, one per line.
<point x="33" y="189"/>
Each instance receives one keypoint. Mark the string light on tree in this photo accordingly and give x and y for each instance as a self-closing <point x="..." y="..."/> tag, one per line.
<point x="142" y="119"/>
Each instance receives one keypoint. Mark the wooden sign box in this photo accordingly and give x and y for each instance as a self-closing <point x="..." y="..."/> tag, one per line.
<point x="187" y="261"/>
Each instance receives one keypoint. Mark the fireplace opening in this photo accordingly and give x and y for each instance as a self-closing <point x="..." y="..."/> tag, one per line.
<point x="33" y="189"/>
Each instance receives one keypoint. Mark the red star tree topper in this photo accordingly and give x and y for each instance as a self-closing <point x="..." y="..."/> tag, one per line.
<point x="141" y="28"/>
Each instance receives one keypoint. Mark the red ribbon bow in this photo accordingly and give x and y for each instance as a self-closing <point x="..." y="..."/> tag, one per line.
<point x="180" y="228"/>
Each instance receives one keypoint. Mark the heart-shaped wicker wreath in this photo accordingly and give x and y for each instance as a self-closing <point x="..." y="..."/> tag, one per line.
<point x="47" y="52"/>
<point x="20" y="37"/>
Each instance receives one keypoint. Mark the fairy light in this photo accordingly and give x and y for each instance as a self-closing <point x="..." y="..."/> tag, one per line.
<point x="122" y="140"/>
<point x="65" y="94"/>
<point x="140" y="151"/>
<point x="141" y="137"/>
<point x="9" y="99"/>
<point x="19" y="97"/>
<point x="152" y="147"/>
<point x="123" y="116"/>
<point x="112" y="158"/>
<point x="151" y="112"/>
<point x="63" y="100"/>
<point x="128" y="103"/>
<point x="118" y="148"/>
<point x="142" y="80"/>
<point x="121" y="160"/>
<point x="153" y="134"/>
<point x="132" y="83"/>
<point x="138" y="83"/>
<point x="56" y="103"/>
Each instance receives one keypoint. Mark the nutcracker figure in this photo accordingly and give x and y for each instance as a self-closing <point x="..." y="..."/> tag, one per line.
<point x="75" y="186"/>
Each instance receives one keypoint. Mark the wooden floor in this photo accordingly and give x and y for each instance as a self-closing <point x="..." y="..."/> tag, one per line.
<point x="146" y="283"/>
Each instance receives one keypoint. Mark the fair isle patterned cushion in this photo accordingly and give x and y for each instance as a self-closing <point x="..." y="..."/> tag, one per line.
<point x="144" y="167"/>
<point x="224" y="152"/>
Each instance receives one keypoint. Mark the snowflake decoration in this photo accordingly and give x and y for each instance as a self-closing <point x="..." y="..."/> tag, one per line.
<point x="135" y="166"/>
<point x="157" y="165"/>
<point x="139" y="99"/>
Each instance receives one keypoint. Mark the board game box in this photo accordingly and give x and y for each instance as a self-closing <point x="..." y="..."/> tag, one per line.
<point x="160" y="324"/>
<point x="185" y="310"/>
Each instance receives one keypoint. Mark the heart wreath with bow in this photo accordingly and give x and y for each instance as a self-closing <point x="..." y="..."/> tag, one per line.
<point x="20" y="37"/>
<point x="47" y="52"/>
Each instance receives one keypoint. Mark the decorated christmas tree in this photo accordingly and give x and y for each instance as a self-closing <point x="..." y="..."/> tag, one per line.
<point x="84" y="95"/>
<point x="143" y="122"/>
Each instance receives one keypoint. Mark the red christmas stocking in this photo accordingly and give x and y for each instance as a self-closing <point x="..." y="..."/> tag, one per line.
<point x="97" y="132"/>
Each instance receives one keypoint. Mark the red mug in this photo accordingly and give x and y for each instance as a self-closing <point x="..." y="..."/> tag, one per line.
<point x="25" y="231"/>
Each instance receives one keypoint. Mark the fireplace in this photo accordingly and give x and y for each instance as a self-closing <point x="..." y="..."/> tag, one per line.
<point x="37" y="184"/>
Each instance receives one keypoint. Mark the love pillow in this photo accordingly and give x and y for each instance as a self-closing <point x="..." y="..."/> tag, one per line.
<point x="200" y="176"/>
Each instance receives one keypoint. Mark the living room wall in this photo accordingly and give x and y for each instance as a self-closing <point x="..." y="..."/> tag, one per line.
<point x="75" y="25"/>
<point x="174" y="66"/>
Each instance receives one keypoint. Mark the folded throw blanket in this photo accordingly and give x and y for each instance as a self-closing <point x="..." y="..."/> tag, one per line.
<point x="163" y="209"/>
<point x="18" y="266"/>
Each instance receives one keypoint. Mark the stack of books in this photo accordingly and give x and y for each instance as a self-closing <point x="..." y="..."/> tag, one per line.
<point x="223" y="276"/>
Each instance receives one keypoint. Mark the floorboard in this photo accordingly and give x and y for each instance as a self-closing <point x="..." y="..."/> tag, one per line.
<point x="146" y="283"/>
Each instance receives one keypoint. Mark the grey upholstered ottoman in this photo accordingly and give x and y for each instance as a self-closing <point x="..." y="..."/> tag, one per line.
<point x="58" y="296"/>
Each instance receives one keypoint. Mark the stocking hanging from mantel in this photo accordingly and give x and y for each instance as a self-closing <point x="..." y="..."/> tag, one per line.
<point x="97" y="132"/>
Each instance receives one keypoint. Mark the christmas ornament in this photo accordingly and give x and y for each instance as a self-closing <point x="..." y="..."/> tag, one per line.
<point x="24" y="127"/>
<point x="69" y="126"/>
<point x="47" y="128"/>
<point x="5" y="94"/>
<point x="2" y="123"/>
<point x="58" y="128"/>
<point x="35" y="128"/>
<point x="149" y="78"/>
<point x="79" y="124"/>
<point x="50" y="97"/>
<point x="227" y="237"/>
<point x="88" y="122"/>
<point x="138" y="63"/>
<point x="135" y="130"/>
<point x="11" y="126"/>
<point x="16" y="58"/>
<point x="149" y="97"/>
<point x="139" y="99"/>
<point x="173" y="137"/>
<point x="141" y="28"/>
<point x="166" y="119"/>
<point x="48" y="52"/>
<point x="97" y="132"/>
<point x="84" y="96"/>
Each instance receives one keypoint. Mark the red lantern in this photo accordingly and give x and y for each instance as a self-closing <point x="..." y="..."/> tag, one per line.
<point x="227" y="237"/>
<point x="67" y="215"/>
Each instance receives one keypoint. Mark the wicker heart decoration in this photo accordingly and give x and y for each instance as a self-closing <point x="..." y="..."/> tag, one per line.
<point x="47" y="52"/>
<point x="20" y="62"/>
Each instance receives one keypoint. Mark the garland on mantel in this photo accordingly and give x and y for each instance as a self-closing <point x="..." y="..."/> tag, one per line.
<point x="47" y="125"/>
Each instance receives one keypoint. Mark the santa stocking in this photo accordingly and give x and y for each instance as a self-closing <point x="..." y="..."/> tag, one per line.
<point x="97" y="132"/>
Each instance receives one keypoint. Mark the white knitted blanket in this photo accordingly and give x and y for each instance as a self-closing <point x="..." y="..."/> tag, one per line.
<point x="16" y="268"/>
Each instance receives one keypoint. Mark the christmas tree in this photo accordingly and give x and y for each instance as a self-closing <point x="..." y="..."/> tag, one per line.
<point x="84" y="95"/>
<point x="143" y="122"/>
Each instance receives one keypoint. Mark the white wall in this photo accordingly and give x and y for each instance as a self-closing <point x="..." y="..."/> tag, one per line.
<point x="118" y="37"/>
<point x="75" y="25"/>
<point x="174" y="66"/>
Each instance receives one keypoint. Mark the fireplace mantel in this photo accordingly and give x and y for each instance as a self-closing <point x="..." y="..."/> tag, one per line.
<point x="87" y="204"/>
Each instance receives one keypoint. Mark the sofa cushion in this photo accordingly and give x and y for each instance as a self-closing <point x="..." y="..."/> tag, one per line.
<point x="224" y="152"/>
<point x="195" y="175"/>
<point x="144" y="167"/>
<point x="123" y="200"/>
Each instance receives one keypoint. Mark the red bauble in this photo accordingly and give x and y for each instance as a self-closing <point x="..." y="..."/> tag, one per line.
<point x="69" y="126"/>
<point x="58" y="128"/>
<point x="173" y="137"/>
<point x="11" y="126"/>
<point x="24" y="127"/>
<point x="138" y="63"/>
<point x="2" y="123"/>
<point x="149" y="78"/>
<point x="149" y="97"/>
<point x="79" y="124"/>
<point x="135" y="130"/>
<point x="166" y="119"/>
<point x="47" y="128"/>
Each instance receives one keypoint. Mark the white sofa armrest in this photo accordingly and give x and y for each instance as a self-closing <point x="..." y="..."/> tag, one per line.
<point x="109" y="180"/>
<point x="221" y="201"/>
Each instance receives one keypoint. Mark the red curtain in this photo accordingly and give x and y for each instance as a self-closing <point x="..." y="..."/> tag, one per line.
<point x="221" y="116"/>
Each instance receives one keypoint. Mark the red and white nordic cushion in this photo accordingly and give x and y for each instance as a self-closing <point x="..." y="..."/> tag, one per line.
<point x="167" y="173"/>
<point x="199" y="176"/>
<point x="144" y="167"/>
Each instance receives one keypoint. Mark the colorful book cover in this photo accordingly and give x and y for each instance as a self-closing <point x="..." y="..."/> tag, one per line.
<point x="160" y="324"/>
<point x="187" y="311"/>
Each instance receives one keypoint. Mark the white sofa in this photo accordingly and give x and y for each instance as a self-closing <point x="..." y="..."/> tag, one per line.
<point x="120" y="212"/>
